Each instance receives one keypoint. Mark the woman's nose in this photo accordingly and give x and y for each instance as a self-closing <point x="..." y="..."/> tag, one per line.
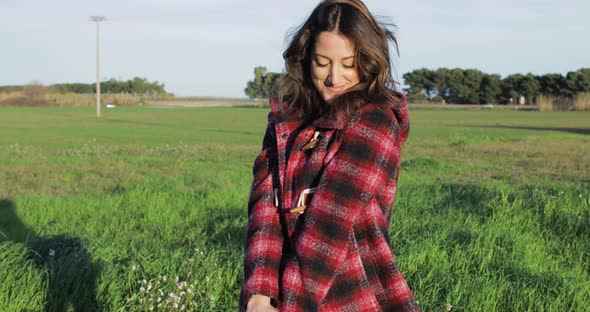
<point x="334" y="76"/>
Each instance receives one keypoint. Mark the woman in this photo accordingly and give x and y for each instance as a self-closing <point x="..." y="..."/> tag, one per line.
<point x="325" y="180"/>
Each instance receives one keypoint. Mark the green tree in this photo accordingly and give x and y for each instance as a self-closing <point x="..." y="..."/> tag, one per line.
<point x="530" y="88"/>
<point x="552" y="84"/>
<point x="138" y="85"/>
<point x="421" y="82"/>
<point x="263" y="83"/>
<point x="510" y="89"/>
<point x="577" y="82"/>
<point x="471" y="86"/>
<point x="516" y="85"/>
<point x="450" y="85"/>
<point x="490" y="89"/>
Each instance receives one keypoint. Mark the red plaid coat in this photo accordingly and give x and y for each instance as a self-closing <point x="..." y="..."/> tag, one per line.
<point x="336" y="256"/>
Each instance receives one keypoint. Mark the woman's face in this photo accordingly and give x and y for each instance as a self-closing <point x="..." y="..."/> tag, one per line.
<point x="333" y="67"/>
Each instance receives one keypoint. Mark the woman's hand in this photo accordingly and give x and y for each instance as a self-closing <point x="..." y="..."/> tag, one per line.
<point x="260" y="303"/>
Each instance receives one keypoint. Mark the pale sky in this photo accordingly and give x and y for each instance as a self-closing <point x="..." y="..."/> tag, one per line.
<point x="210" y="47"/>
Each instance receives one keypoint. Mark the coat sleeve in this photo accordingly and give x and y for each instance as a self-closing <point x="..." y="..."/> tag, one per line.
<point x="366" y="159"/>
<point x="264" y="238"/>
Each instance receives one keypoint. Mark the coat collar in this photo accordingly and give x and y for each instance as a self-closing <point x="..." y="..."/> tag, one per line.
<point x="328" y="123"/>
<point x="324" y="122"/>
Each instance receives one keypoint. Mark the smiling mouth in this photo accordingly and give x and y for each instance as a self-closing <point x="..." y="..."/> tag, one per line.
<point x="336" y="89"/>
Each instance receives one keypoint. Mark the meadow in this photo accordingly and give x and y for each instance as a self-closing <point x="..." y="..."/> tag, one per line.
<point x="144" y="209"/>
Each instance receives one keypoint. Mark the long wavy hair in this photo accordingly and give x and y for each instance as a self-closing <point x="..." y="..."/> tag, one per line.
<point x="371" y="39"/>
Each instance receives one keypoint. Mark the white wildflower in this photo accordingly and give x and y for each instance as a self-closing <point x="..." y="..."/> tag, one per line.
<point x="52" y="252"/>
<point x="142" y="289"/>
<point x="133" y="267"/>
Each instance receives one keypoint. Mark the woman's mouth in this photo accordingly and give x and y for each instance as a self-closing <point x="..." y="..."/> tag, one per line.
<point x="336" y="89"/>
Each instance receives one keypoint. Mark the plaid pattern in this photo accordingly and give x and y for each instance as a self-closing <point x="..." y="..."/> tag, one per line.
<point x="336" y="256"/>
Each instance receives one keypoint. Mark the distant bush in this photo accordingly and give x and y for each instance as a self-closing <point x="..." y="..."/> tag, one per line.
<point x="33" y="94"/>
<point x="8" y="98"/>
<point x="74" y="88"/>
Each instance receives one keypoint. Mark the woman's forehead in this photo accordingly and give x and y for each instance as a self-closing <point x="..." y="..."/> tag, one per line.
<point x="333" y="45"/>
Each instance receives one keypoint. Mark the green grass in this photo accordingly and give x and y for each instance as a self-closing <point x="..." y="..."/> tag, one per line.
<point x="492" y="211"/>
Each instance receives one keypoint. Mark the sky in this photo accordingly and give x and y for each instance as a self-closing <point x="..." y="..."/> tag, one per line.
<point x="210" y="47"/>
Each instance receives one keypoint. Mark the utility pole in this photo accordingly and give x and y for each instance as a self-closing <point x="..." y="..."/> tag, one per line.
<point x="97" y="19"/>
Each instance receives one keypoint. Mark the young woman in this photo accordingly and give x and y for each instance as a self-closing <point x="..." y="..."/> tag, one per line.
<point x="325" y="180"/>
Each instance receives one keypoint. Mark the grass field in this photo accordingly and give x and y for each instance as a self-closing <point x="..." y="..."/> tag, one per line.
<point x="147" y="205"/>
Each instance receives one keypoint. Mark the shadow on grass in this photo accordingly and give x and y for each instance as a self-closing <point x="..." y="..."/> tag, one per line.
<point x="71" y="274"/>
<point x="469" y="199"/>
<point x="226" y="228"/>
<point x="583" y="131"/>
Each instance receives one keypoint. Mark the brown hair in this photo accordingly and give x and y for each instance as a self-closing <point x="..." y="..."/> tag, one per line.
<point x="352" y="19"/>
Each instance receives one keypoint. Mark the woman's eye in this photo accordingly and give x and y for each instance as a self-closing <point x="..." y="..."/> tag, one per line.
<point x="320" y="64"/>
<point x="348" y="66"/>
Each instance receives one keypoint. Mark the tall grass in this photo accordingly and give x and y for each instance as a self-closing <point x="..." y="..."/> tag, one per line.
<point x="583" y="101"/>
<point x="548" y="103"/>
<point x="9" y="95"/>
<point x="21" y="98"/>
<point x="89" y="100"/>
<point x="146" y="208"/>
<point x="552" y="103"/>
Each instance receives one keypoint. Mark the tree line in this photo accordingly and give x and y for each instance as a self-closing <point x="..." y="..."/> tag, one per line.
<point x="463" y="86"/>
<point x="130" y="92"/>
<point x="137" y="85"/>
<point x="471" y="86"/>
